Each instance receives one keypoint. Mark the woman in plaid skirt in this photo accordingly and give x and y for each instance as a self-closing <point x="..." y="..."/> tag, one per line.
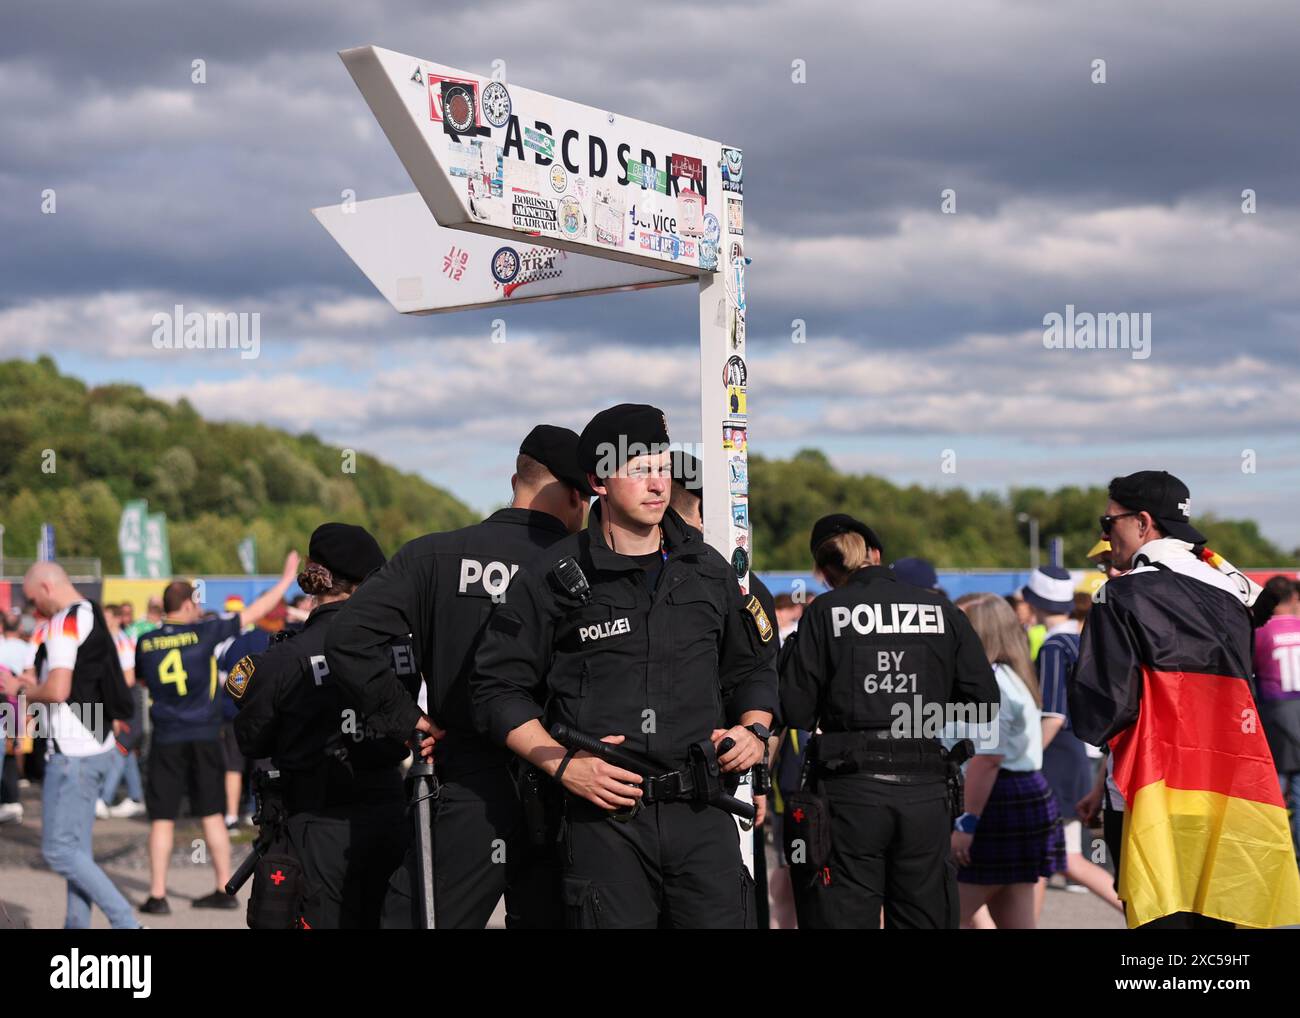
<point x="1013" y="830"/>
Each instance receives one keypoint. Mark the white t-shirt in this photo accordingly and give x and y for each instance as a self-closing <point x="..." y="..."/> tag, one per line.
<point x="1016" y="736"/>
<point x="1020" y="724"/>
<point x="67" y="632"/>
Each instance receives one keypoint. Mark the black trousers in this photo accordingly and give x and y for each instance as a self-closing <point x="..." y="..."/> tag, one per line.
<point x="674" y="865"/>
<point x="8" y="779"/>
<point x="347" y="856"/>
<point x="481" y="852"/>
<point x="891" y="849"/>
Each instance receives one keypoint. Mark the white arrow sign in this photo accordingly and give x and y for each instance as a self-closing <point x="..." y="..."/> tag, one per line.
<point x="507" y="161"/>
<point x="422" y="268"/>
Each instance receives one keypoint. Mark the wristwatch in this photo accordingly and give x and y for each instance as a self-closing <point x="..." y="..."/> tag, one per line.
<point x="761" y="730"/>
<point x="966" y="823"/>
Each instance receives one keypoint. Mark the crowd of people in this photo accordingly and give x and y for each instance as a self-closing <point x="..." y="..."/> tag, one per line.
<point x="483" y="649"/>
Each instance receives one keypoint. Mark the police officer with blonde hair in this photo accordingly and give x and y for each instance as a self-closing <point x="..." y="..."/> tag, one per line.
<point x="874" y="665"/>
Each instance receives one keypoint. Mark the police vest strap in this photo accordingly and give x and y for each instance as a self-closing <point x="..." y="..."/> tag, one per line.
<point x="838" y="753"/>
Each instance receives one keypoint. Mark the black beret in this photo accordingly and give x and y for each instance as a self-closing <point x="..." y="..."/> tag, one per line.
<point x="688" y="471"/>
<point x="842" y="523"/>
<point x="345" y="550"/>
<point x="610" y="436"/>
<point x="557" y="450"/>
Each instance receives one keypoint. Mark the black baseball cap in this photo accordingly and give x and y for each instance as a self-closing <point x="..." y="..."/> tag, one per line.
<point x="1161" y="494"/>
<point x="622" y="429"/>
<point x="842" y="523"/>
<point x="346" y="550"/>
<point x="556" y="449"/>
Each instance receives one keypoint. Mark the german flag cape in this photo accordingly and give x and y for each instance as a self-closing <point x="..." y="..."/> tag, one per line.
<point x="1164" y="678"/>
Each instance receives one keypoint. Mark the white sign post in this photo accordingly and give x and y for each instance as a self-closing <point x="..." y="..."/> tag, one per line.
<point x="560" y="194"/>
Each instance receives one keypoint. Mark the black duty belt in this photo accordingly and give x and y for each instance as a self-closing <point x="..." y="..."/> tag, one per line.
<point x="670" y="787"/>
<point x="836" y="753"/>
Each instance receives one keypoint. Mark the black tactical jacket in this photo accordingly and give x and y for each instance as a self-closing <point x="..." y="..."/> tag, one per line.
<point x="662" y="669"/>
<point x="439" y="589"/>
<point x="868" y="655"/>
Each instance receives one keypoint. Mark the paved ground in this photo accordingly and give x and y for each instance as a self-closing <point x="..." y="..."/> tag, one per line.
<point x="31" y="897"/>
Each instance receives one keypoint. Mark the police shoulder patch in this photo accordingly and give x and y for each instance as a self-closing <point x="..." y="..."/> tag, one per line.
<point x="762" y="624"/>
<point x="238" y="677"/>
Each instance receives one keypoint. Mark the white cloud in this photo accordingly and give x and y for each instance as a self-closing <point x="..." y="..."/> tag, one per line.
<point x="1140" y="257"/>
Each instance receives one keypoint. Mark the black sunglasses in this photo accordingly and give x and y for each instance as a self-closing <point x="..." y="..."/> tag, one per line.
<point x="1109" y="521"/>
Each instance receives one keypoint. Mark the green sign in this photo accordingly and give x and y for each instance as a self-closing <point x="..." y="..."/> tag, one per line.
<point x="644" y="175"/>
<point x="157" y="552"/>
<point x="130" y="538"/>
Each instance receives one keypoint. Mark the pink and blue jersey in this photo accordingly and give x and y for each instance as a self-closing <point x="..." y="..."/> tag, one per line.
<point x="1277" y="658"/>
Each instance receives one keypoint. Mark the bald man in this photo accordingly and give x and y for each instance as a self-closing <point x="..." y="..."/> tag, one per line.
<point x="79" y="680"/>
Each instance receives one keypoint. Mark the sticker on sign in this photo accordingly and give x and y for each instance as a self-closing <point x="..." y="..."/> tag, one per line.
<point x="619" y="157"/>
<point x="422" y="268"/>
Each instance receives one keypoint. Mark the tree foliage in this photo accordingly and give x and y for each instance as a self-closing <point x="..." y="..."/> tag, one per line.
<point x="951" y="527"/>
<point x="216" y="482"/>
<point x="219" y="482"/>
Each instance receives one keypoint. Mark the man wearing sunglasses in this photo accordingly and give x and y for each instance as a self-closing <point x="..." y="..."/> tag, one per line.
<point x="1194" y="816"/>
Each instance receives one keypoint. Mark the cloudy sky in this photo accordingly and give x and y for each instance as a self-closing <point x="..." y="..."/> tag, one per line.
<point x="924" y="330"/>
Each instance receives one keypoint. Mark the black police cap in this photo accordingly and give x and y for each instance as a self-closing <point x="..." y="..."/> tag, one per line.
<point x="842" y="523"/>
<point x="556" y="449"/>
<point x="610" y="438"/>
<point x="346" y="550"/>
<point x="1161" y="494"/>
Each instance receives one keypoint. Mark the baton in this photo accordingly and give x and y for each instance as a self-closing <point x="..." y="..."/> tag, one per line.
<point x="424" y="789"/>
<point x="625" y="758"/>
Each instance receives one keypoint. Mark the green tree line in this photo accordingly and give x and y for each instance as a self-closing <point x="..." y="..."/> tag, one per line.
<point x="216" y="482"/>
<point x="71" y="455"/>
<point x="950" y="527"/>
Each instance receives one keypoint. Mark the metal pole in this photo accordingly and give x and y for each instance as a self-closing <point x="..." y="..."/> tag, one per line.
<point x="1033" y="543"/>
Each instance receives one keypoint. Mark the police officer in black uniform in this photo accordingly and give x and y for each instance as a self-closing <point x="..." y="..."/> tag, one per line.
<point x="342" y="785"/>
<point x="874" y="664"/>
<point x="652" y="649"/>
<point x="440" y="589"/>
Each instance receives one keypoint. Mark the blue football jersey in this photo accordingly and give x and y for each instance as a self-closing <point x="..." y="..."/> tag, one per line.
<point x="178" y="663"/>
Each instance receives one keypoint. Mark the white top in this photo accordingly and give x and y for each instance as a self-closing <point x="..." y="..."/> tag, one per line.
<point x="1020" y="723"/>
<point x="1016" y="736"/>
<point x="68" y="631"/>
